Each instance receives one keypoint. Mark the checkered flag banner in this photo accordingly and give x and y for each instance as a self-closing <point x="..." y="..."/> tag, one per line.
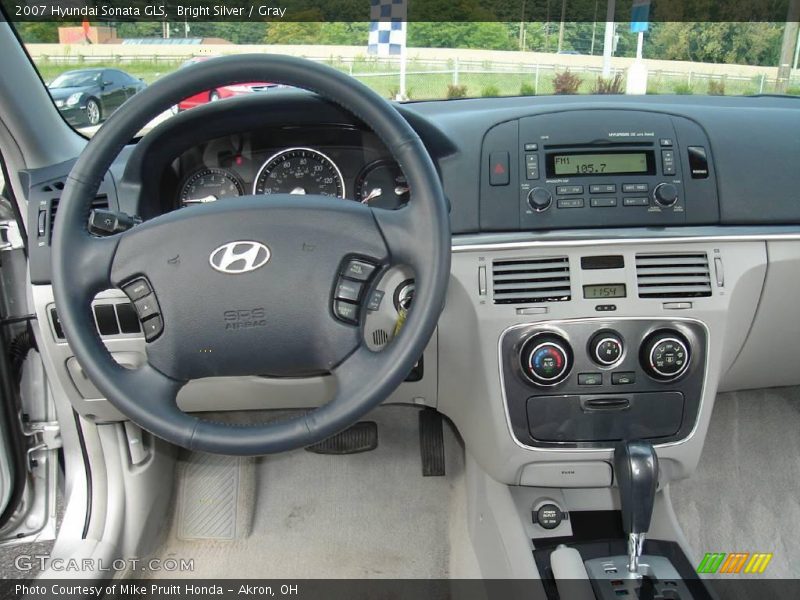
<point x="387" y="28"/>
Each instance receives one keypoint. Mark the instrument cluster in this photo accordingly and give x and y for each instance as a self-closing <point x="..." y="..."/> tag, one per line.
<point x="336" y="161"/>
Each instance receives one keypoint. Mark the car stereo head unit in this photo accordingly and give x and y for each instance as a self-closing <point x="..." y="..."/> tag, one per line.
<point x="597" y="168"/>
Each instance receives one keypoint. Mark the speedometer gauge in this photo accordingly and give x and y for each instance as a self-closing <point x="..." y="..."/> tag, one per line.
<point x="209" y="185"/>
<point x="300" y="171"/>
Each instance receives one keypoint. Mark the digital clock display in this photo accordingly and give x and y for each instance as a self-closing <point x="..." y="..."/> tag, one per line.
<point x="604" y="290"/>
<point x="609" y="163"/>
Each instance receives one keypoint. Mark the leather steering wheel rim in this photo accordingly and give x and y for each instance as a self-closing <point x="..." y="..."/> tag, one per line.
<point x="417" y="235"/>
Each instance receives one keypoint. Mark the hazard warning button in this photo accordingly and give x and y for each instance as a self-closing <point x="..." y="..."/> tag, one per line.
<point x="498" y="168"/>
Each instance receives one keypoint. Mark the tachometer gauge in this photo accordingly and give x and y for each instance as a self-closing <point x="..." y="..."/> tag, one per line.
<point x="300" y="171"/>
<point x="209" y="185"/>
<point x="382" y="184"/>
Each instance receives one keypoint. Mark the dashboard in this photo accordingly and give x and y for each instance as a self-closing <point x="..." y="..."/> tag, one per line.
<point x="335" y="160"/>
<point x="616" y="261"/>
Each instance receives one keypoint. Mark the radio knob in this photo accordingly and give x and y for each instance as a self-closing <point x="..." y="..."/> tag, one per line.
<point x="666" y="194"/>
<point x="665" y="355"/>
<point x="539" y="199"/>
<point x="546" y="359"/>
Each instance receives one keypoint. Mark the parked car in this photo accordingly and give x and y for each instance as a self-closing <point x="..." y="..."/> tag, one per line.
<point x="88" y="96"/>
<point x="228" y="91"/>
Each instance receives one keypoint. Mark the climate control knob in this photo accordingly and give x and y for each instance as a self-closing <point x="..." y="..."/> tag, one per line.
<point x="665" y="194"/>
<point x="546" y="359"/>
<point x="606" y="348"/>
<point x="540" y="199"/>
<point x="665" y="355"/>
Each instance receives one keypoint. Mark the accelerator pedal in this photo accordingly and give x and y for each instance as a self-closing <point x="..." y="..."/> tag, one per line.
<point x="361" y="437"/>
<point x="431" y="443"/>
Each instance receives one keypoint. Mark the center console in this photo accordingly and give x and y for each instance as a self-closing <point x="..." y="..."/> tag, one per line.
<point x="588" y="383"/>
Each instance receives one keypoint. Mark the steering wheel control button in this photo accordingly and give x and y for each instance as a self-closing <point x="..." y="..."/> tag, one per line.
<point x="153" y="328"/>
<point x="546" y="359"/>
<point x="665" y="355"/>
<point x="137" y="289"/>
<point x="590" y="379"/>
<point x="606" y="348"/>
<point x="349" y="290"/>
<point x="128" y="319"/>
<point x="346" y="311"/>
<point x="623" y="378"/>
<point x="548" y="516"/>
<point x="146" y="307"/>
<point x="358" y="270"/>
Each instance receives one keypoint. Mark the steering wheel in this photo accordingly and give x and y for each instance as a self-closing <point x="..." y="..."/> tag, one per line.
<point x="248" y="286"/>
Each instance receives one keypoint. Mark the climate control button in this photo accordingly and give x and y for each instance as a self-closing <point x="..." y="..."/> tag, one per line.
<point x="665" y="355"/>
<point x="546" y="359"/>
<point x="606" y="348"/>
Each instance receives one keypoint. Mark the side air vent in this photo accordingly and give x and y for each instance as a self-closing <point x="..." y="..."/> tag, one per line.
<point x="679" y="275"/>
<point x="100" y="202"/>
<point x="531" y="280"/>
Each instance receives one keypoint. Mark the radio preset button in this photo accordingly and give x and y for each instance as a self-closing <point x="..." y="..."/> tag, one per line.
<point x="630" y="188"/>
<point x="569" y="190"/>
<point x="570" y="203"/>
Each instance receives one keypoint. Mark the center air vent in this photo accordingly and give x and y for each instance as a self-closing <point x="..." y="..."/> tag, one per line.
<point x="678" y="275"/>
<point x="528" y="280"/>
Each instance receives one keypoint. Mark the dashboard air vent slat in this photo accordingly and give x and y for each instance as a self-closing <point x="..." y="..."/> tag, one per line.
<point x="677" y="275"/>
<point x="100" y="202"/>
<point x="532" y="280"/>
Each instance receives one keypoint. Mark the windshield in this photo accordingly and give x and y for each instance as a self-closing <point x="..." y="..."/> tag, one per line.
<point x="74" y="79"/>
<point x="408" y="61"/>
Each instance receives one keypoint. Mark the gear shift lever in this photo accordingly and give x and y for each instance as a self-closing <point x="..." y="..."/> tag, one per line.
<point x="636" y="470"/>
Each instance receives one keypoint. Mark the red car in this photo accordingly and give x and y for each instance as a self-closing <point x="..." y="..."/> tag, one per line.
<point x="229" y="91"/>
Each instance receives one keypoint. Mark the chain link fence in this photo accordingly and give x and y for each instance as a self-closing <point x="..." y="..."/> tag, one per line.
<point x="434" y="79"/>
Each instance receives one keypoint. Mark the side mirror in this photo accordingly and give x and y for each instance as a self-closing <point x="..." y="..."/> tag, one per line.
<point x="106" y="83"/>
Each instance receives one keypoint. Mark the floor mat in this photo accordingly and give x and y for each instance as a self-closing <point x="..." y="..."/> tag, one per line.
<point x="354" y="516"/>
<point x="745" y="495"/>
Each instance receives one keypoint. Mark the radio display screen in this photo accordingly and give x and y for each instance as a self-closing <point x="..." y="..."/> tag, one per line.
<point x="605" y="290"/>
<point x="600" y="163"/>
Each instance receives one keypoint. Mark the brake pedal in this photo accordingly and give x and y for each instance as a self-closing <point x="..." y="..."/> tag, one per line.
<point x="431" y="443"/>
<point x="361" y="437"/>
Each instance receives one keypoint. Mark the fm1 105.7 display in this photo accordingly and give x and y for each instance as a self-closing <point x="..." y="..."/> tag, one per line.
<point x="617" y="163"/>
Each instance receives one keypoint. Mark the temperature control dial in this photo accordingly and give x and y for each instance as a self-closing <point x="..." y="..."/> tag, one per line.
<point x="546" y="359"/>
<point x="606" y="348"/>
<point x="665" y="355"/>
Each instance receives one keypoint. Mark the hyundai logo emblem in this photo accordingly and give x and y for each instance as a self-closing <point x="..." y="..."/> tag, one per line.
<point x="239" y="257"/>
